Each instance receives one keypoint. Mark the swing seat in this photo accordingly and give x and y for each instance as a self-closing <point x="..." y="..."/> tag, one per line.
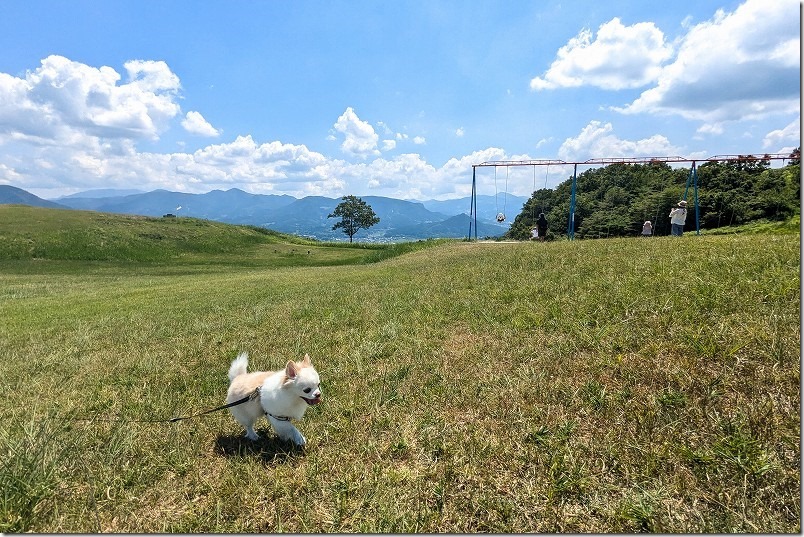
<point x="500" y="217"/>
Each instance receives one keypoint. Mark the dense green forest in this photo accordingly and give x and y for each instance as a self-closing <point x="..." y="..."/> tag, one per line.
<point x="615" y="200"/>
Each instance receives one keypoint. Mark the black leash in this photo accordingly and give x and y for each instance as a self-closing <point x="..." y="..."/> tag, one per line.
<point x="253" y="395"/>
<point x="250" y="397"/>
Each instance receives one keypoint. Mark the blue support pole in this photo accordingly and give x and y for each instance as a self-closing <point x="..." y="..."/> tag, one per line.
<point x="571" y="225"/>
<point x="697" y="210"/>
<point x="693" y="178"/>
<point x="473" y="205"/>
<point x="689" y="179"/>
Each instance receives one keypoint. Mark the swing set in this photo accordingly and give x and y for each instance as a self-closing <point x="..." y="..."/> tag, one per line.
<point x="501" y="214"/>
<point x="692" y="179"/>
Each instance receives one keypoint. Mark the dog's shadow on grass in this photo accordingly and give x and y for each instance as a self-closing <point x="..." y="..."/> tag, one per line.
<point x="268" y="448"/>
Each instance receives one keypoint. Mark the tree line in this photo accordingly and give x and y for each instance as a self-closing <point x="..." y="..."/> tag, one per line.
<point x="615" y="200"/>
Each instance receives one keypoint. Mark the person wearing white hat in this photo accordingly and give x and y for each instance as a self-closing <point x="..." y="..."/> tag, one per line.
<point x="678" y="215"/>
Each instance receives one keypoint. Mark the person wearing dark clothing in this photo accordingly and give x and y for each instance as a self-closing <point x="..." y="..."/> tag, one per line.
<point x="541" y="225"/>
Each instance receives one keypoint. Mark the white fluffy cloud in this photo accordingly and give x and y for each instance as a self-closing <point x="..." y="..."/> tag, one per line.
<point x="62" y="101"/>
<point x="790" y="135"/>
<point x="598" y="139"/>
<point x="67" y="126"/>
<point x="359" y="137"/>
<point x="742" y="65"/>
<point x="194" y="123"/>
<point x="360" y="140"/>
<point x="618" y="57"/>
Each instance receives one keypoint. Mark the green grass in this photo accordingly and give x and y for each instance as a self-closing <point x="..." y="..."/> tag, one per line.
<point x="764" y="227"/>
<point x="589" y="386"/>
<point x="58" y="237"/>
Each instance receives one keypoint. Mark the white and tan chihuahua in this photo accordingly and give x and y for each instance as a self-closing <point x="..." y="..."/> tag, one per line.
<point x="283" y="395"/>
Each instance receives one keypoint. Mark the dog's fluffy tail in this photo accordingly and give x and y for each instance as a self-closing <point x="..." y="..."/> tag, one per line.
<point x="239" y="366"/>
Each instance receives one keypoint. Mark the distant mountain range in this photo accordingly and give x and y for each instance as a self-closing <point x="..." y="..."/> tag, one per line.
<point x="400" y="220"/>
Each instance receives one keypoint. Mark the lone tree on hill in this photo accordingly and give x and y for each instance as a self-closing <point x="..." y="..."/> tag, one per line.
<point x="355" y="215"/>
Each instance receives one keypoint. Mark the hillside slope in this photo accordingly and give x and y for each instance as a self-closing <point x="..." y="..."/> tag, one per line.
<point x="41" y="233"/>
<point x="13" y="195"/>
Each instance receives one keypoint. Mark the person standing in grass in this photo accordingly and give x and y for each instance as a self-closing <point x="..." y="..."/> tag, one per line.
<point x="647" y="229"/>
<point x="541" y="226"/>
<point x="677" y="218"/>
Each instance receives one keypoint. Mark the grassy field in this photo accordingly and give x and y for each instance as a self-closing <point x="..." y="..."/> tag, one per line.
<point x="589" y="386"/>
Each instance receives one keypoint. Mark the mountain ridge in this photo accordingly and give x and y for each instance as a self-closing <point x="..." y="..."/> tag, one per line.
<point x="11" y="195"/>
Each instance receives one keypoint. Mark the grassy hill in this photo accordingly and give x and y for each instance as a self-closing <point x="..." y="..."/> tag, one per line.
<point x="64" y="235"/>
<point x="590" y="386"/>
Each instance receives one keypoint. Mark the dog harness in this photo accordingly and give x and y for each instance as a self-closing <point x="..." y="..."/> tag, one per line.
<point x="255" y="394"/>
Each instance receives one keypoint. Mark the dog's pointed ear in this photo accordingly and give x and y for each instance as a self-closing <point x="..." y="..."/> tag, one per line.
<point x="307" y="362"/>
<point x="290" y="370"/>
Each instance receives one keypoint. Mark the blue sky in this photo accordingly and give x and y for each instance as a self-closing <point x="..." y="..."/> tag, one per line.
<point x="382" y="98"/>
